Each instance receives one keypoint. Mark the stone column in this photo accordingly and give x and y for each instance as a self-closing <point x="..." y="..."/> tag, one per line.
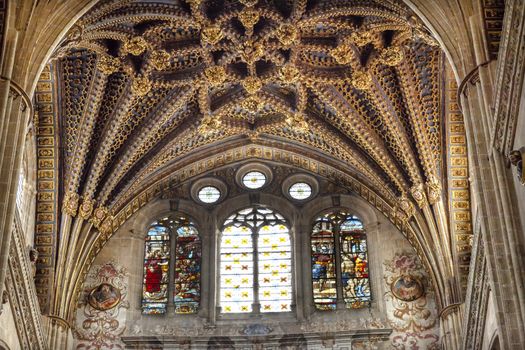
<point x="450" y="324"/>
<point x="59" y="333"/>
<point x="14" y="113"/>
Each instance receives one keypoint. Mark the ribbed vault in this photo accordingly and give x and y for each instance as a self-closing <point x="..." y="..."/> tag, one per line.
<point x="144" y="87"/>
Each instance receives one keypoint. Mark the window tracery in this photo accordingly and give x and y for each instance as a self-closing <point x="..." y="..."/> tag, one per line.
<point x="339" y="262"/>
<point x="255" y="263"/>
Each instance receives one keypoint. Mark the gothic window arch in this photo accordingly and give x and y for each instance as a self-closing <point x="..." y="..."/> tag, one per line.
<point x="167" y="239"/>
<point x="339" y="262"/>
<point x="255" y="262"/>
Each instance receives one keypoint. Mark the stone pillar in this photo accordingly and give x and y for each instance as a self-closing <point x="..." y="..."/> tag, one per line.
<point x="450" y="324"/>
<point x="14" y="113"/>
<point x="59" y="333"/>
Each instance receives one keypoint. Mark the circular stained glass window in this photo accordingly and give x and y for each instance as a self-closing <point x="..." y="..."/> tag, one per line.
<point x="209" y="194"/>
<point x="254" y="179"/>
<point x="300" y="190"/>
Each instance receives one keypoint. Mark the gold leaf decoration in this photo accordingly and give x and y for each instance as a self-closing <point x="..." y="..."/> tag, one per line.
<point x="252" y="84"/>
<point x="251" y="52"/>
<point x="252" y="104"/>
<point x="135" y="46"/>
<point x="287" y="34"/>
<point x="99" y="214"/>
<point x="160" y="59"/>
<point x="289" y="73"/>
<point x="209" y="124"/>
<point x="249" y="17"/>
<point x="211" y="35"/>
<point x="361" y="38"/>
<point x="215" y="75"/>
<point x="391" y="56"/>
<point x="342" y="54"/>
<point x="418" y="193"/>
<point x="361" y="80"/>
<point x="297" y="122"/>
<point x="70" y="205"/>
<point x="86" y="208"/>
<point x="141" y="85"/>
<point x="433" y="190"/>
<point x="108" y="64"/>
<point x="248" y="3"/>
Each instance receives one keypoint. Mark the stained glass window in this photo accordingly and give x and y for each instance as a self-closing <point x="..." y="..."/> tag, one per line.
<point x="209" y="194"/>
<point x="348" y="232"/>
<point x="156" y="266"/>
<point x="254" y="179"/>
<point x="255" y="237"/>
<point x="186" y="293"/>
<point x="186" y="277"/>
<point x="323" y="265"/>
<point x="300" y="191"/>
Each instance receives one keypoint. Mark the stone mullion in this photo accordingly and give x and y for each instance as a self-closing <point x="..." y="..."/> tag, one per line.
<point x="376" y="149"/>
<point x="134" y="151"/>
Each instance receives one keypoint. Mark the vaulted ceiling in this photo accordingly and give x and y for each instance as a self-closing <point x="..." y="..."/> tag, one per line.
<point x="138" y="86"/>
<point x="142" y="83"/>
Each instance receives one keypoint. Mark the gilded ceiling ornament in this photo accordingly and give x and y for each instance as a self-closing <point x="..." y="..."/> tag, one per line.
<point x="108" y="64"/>
<point x="342" y="54"/>
<point x="215" y="75"/>
<point x="297" y="122"/>
<point x="252" y="84"/>
<point x="70" y="205"/>
<point x="106" y="227"/>
<point x="99" y="214"/>
<point x="160" y="59"/>
<point x="361" y="80"/>
<point x="418" y="193"/>
<point x="289" y="73"/>
<point x="252" y="104"/>
<point x="249" y="17"/>
<point x="86" y="208"/>
<point x="248" y="3"/>
<point x="141" y="85"/>
<point x="251" y="52"/>
<point x="391" y="56"/>
<point x="135" y="45"/>
<point x="287" y="34"/>
<point x="209" y="124"/>
<point x="361" y="38"/>
<point x="433" y="190"/>
<point x="406" y="206"/>
<point x="211" y="35"/>
<point x="419" y="34"/>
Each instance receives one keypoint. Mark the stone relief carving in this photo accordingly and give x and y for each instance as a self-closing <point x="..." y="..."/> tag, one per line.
<point x="411" y="307"/>
<point x="517" y="158"/>
<point x="102" y="309"/>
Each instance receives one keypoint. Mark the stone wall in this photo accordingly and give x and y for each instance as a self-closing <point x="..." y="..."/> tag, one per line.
<point x="414" y="323"/>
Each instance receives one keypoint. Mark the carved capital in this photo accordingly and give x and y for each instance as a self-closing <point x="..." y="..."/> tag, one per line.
<point x="418" y="193"/>
<point x="70" y="206"/>
<point x="99" y="214"/>
<point x="433" y="190"/>
<point x="86" y="208"/>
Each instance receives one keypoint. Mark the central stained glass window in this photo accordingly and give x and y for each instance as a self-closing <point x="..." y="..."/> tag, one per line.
<point x="255" y="263"/>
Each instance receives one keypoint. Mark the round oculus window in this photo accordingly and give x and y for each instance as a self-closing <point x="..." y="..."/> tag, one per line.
<point x="254" y="179"/>
<point x="209" y="194"/>
<point x="300" y="190"/>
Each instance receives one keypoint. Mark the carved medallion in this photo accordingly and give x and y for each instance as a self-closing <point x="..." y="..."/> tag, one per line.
<point x="407" y="288"/>
<point x="104" y="297"/>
